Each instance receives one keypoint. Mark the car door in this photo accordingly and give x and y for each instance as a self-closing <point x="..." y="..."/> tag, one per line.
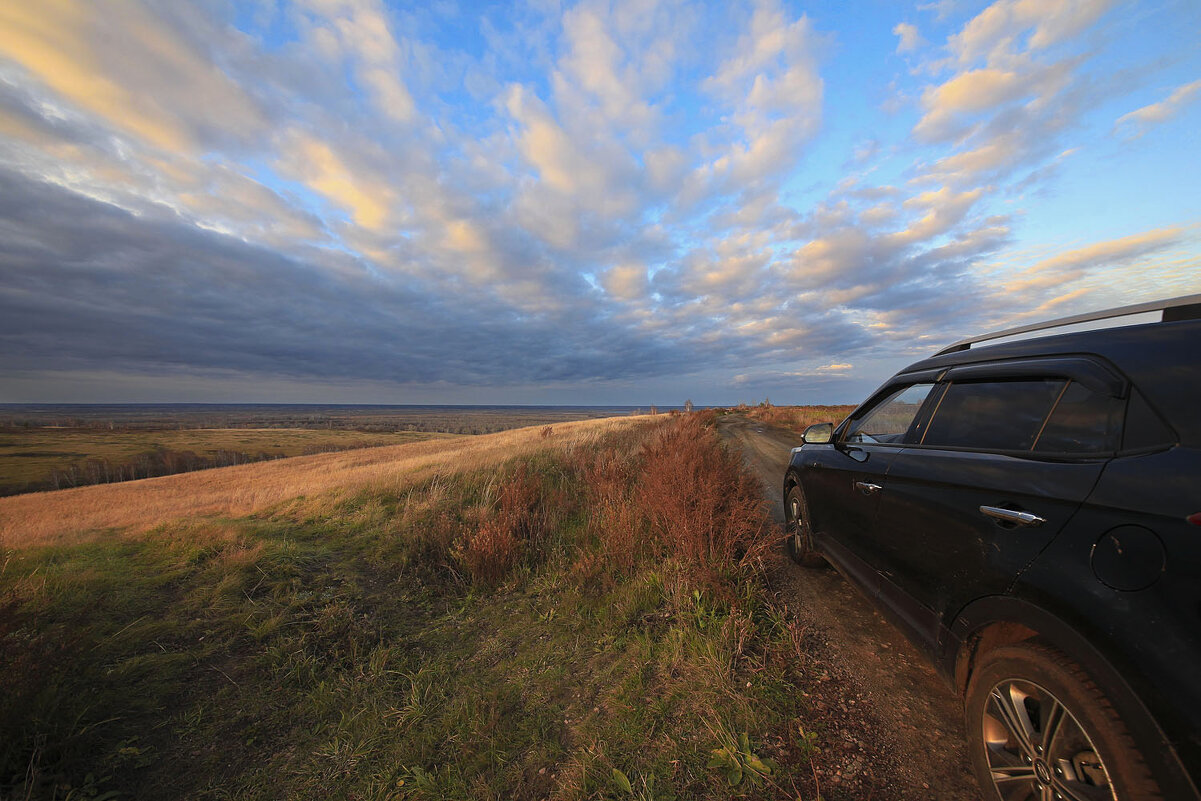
<point x="1007" y="458"/>
<point x="843" y="483"/>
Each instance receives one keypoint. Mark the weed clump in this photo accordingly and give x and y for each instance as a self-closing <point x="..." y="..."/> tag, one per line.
<point x="699" y="504"/>
<point x="527" y="509"/>
<point x="492" y="552"/>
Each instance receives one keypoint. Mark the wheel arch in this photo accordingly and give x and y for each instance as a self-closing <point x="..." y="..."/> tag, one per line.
<point x="792" y="478"/>
<point x="991" y="623"/>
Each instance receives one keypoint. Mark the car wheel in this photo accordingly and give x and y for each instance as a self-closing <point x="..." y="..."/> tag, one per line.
<point x="800" y="539"/>
<point x="1039" y="728"/>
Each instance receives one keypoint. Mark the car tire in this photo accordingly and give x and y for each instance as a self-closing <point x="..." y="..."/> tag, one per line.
<point x="1036" y="721"/>
<point x="799" y="542"/>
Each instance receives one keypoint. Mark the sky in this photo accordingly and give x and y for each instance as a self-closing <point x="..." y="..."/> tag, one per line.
<point x="357" y="201"/>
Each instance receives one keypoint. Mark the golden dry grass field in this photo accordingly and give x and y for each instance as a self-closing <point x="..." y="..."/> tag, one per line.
<point x="76" y="514"/>
<point x="29" y="456"/>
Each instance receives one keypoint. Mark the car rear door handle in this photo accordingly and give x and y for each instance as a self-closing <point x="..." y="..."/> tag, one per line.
<point x="867" y="488"/>
<point x="1010" y="516"/>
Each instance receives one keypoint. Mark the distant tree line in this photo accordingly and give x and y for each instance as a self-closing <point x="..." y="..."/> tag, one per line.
<point x="156" y="462"/>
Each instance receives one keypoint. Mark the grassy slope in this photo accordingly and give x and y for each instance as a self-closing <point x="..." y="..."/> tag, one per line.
<point x="362" y="644"/>
<point x="30" y="456"/>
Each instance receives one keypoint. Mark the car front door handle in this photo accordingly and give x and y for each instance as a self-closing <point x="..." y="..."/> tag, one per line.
<point x="1010" y="516"/>
<point x="867" y="488"/>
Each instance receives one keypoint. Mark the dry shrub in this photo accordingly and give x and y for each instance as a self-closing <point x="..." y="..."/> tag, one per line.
<point x="525" y="513"/>
<point x="591" y="573"/>
<point x="613" y="519"/>
<point x="491" y="553"/>
<point x="698" y="501"/>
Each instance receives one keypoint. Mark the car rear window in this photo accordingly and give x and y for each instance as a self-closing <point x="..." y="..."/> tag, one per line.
<point x="1083" y="421"/>
<point x="993" y="415"/>
<point x="1144" y="428"/>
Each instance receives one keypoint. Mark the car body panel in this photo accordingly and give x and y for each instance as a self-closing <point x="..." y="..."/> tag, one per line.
<point x="923" y="552"/>
<point x="934" y="544"/>
<point x="833" y="473"/>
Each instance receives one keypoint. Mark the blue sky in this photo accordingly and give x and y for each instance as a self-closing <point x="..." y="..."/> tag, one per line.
<point x="595" y="202"/>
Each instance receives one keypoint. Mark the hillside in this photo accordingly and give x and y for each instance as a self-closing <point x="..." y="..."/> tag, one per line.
<point x="566" y="614"/>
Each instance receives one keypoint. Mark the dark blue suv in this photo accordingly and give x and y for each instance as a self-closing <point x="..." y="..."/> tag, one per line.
<point x="1029" y="512"/>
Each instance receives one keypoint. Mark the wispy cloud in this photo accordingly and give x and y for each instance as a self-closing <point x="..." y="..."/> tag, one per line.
<point x="909" y="37"/>
<point x="1136" y="123"/>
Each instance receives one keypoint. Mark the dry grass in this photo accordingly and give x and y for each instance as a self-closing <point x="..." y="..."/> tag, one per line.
<point x="798" y="418"/>
<point x="31" y="456"/>
<point x="698" y="501"/>
<point x="519" y="616"/>
<point x="87" y="512"/>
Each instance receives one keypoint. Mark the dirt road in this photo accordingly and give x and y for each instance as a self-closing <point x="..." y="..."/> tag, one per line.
<point x="912" y="721"/>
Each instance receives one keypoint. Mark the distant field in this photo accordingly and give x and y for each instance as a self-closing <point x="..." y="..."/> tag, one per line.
<point x="137" y="506"/>
<point x="31" y="458"/>
<point x="57" y="446"/>
<point x="435" y="419"/>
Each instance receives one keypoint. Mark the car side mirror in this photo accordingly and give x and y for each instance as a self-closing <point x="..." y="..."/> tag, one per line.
<point x="818" y="434"/>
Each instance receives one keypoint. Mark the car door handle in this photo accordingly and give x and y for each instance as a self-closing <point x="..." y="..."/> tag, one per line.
<point x="867" y="488"/>
<point x="1010" y="516"/>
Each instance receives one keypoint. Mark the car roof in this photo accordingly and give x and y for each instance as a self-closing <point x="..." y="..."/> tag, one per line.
<point x="1162" y="359"/>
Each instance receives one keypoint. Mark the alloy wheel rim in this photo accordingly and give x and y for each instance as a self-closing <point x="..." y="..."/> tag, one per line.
<point x="1037" y="749"/>
<point x="797" y="523"/>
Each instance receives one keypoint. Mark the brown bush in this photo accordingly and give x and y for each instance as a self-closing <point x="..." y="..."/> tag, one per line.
<point x="699" y="503"/>
<point x="525" y="512"/>
<point x="492" y="552"/>
<point x="613" y="519"/>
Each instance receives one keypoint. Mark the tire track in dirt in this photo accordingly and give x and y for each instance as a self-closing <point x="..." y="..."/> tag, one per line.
<point x="917" y="738"/>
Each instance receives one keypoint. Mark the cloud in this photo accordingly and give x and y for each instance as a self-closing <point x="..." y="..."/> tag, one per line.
<point x="1068" y="266"/>
<point x="626" y="281"/>
<point x="910" y="39"/>
<point x="1136" y="123"/>
<point x="968" y="92"/>
<point x="775" y="91"/>
<point x="358" y="32"/>
<point x="164" y="296"/>
<point x="149" y="82"/>
<point x="995" y="33"/>
<point x="319" y="167"/>
<point x="530" y="199"/>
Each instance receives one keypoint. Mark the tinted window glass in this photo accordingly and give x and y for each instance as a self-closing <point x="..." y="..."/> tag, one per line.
<point x="1144" y="429"/>
<point x="993" y="415"/>
<point x="889" y="421"/>
<point x="1084" y="421"/>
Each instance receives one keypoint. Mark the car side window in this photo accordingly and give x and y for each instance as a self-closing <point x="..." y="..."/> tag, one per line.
<point x="1083" y="421"/>
<point x="993" y="415"/>
<point x="890" y="419"/>
<point x="1144" y="429"/>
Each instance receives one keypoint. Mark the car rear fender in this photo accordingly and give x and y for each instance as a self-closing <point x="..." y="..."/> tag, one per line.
<point x="1000" y="620"/>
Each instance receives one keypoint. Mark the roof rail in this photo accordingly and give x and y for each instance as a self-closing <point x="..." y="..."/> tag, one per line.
<point x="1186" y="307"/>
